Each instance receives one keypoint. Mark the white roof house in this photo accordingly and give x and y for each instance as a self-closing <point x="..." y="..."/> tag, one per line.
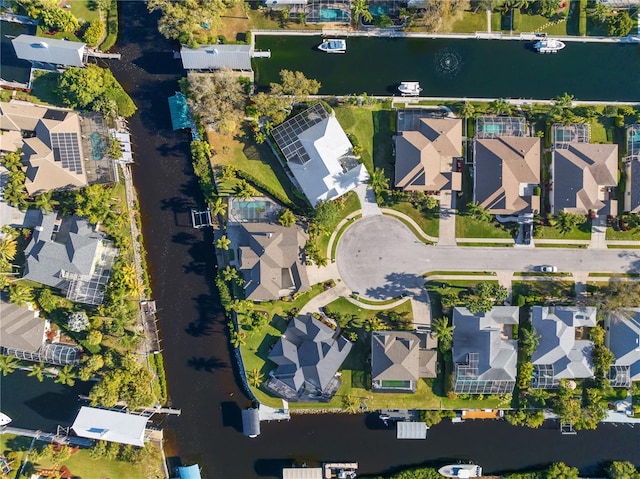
<point x="112" y="426"/>
<point x="215" y="57"/>
<point x="302" y="473"/>
<point x="49" y="50"/>
<point x="318" y="153"/>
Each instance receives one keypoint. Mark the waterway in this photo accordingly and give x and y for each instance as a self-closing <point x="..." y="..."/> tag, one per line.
<point x="457" y="67"/>
<point x="200" y="369"/>
<point x="13" y="69"/>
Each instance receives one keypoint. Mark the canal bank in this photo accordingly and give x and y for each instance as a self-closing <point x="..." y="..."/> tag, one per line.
<point x="456" y="67"/>
<point x="200" y="366"/>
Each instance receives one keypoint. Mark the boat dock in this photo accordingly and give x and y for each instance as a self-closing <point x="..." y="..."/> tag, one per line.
<point x="341" y="470"/>
<point x="482" y="414"/>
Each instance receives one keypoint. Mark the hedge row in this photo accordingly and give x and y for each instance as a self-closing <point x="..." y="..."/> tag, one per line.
<point x="200" y="156"/>
<point x="112" y="27"/>
<point x="268" y="190"/>
<point x="582" y="23"/>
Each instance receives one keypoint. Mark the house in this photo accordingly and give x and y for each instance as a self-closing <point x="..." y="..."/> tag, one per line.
<point x="50" y="140"/>
<point x="425" y="156"/>
<point x="564" y="349"/>
<point x="49" y="51"/>
<point x="507" y="174"/>
<point x="25" y="335"/>
<point x="400" y="358"/>
<point x="623" y="340"/>
<point x="632" y="170"/>
<point x="308" y="356"/>
<point x="68" y="254"/>
<point x="217" y="57"/>
<point x="270" y="258"/>
<point x="583" y="173"/>
<point x="112" y="426"/>
<point x="318" y="154"/>
<point x="484" y="351"/>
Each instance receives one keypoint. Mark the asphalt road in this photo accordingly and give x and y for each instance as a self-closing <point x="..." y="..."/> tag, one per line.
<point x="379" y="257"/>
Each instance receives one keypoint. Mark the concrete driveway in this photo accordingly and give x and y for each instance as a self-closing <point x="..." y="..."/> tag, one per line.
<point x="380" y="258"/>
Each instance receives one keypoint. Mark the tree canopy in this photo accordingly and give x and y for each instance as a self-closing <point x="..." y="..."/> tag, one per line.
<point x="485" y="296"/>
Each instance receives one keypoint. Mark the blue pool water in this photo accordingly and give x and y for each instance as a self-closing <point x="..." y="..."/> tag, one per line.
<point x="330" y="13"/>
<point x="377" y="10"/>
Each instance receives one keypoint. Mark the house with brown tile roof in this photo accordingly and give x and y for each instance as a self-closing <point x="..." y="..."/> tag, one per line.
<point x="583" y="176"/>
<point x="425" y="157"/>
<point x="400" y="358"/>
<point x="507" y="173"/>
<point x="51" y="148"/>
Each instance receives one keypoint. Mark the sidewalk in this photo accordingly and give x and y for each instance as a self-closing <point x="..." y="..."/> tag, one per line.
<point x="325" y="298"/>
<point x="423" y="235"/>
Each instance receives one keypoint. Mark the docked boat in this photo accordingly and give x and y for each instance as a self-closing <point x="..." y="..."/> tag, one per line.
<point x="409" y="88"/>
<point x="550" y="45"/>
<point x="333" y="45"/>
<point x="4" y="419"/>
<point x="462" y="471"/>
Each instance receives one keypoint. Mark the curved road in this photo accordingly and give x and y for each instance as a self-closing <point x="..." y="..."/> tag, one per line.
<point x="380" y="258"/>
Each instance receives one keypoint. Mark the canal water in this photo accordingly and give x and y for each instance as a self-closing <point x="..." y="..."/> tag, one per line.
<point x="13" y="69"/>
<point x="457" y="68"/>
<point x="200" y="371"/>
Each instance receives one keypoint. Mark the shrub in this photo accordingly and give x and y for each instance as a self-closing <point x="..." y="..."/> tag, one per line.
<point x="94" y="32"/>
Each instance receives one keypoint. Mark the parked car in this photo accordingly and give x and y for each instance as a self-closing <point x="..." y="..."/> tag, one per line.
<point x="526" y="238"/>
<point x="549" y="269"/>
<point x="459" y="165"/>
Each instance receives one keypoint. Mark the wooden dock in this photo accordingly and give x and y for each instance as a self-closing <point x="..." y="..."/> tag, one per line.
<point x="332" y="469"/>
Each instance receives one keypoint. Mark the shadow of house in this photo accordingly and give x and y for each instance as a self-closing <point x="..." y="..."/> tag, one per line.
<point x="399" y="359"/>
<point x="561" y="352"/>
<point x="484" y="351"/>
<point x="623" y="340"/>
<point x="425" y="156"/>
<point x="269" y="258"/>
<point x="68" y="254"/>
<point x="308" y="356"/>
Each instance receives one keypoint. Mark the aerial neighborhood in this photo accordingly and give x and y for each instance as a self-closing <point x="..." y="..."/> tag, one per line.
<point x="209" y="229"/>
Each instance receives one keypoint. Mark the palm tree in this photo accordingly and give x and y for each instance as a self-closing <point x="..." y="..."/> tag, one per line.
<point x="230" y="273"/>
<point x="361" y="9"/>
<point x="45" y="201"/>
<point x="20" y="295"/>
<point x="130" y="277"/>
<point x="564" y="101"/>
<point x="441" y="329"/>
<point x="255" y="377"/>
<point x="218" y="207"/>
<point x="529" y="340"/>
<point x="238" y="338"/>
<point x="478" y="212"/>
<point x="8" y="364"/>
<point x="321" y="261"/>
<point x="8" y="249"/>
<point x="501" y="107"/>
<point x="67" y="376"/>
<point x="37" y="371"/>
<point x="223" y="243"/>
<point x="467" y="110"/>
<point x="349" y="403"/>
<point x="12" y="161"/>
<point x="378" y="181"/>
<point x="243" y="190"/>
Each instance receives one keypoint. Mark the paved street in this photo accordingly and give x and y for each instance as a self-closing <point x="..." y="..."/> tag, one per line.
<point x="380" y="258"/>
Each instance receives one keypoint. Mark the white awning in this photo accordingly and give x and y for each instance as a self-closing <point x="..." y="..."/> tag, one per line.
<point x="112" y="426"/>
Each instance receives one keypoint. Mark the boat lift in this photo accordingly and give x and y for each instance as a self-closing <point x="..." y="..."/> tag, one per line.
<point x="201" y="219"/>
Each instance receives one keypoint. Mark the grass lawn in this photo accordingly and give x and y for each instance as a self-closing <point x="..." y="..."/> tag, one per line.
<point x="256" y="160"/>
<point x="469" y="227"/>
<point x="615" y="234"/>
<point x="582" y="232"/>
<point x="470" y="22"/>
<point x="82" y="465"/>
<point x="44" y="88"/>
<point x="351" y="203"/>
<point x="345" y="306"/>
<point x="336" y="240"/>
<point x="437" y="288"/>
<point x="545" y="292"/>
<point x="430" y="224"/>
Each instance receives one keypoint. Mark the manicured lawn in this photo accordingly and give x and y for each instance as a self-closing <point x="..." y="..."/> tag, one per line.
<point x="631" y="235"/>
<point x="44" y="88"/>
<point x="430" y="224"/>
<point x="344" y="306"/>
<point x="471" y="22"/>
<point x="583" y="232"/>
<point x="350" y="203"/>
<point x="469" y="227"/>
<point x="256" y="160"/>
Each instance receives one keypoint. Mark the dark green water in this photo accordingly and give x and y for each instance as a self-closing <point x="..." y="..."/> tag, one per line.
<point x="458" y="68"/>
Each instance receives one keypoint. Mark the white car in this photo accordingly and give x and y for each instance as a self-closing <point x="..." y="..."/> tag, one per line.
<point x="549" y="269"/>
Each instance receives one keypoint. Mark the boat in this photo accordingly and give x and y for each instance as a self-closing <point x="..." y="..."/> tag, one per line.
<point x="4" y="419"/>
<point x="333" y="45"/>
<point x="550" y="45"/>
<point x="409" y="88"/>
<point x="462" y="471"/>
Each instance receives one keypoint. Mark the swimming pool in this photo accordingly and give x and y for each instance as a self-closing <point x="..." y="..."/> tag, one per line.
<point x="245" y="210"/>
<point x="331" y="14"/>
<point x="377" y="10"/>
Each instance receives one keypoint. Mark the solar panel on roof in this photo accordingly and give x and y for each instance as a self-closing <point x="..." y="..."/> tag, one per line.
<point x="286" y="134"/>
<point x="66" y="149"/>
<point x="57" y="115"/>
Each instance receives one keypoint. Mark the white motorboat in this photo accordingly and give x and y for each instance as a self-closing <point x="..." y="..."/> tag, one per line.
<point x="461" y="471"/>
<point x="409" y="88"/>
<point x="333" y="45"/>
<point x="4" y="419"/>
<point x="550" y="45"/>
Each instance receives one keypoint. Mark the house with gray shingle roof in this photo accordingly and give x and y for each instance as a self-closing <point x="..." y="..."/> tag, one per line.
<point x="583" y="175"/>
<point x="308" y="356"/>
<point x="64" y="250"/>
<point x="564" y="349"/>
<point x="425" y="157"/>
<point x="507" y="172"/>
<point x="400" y="358"/>
<point x="270" y="258"/>
<point x="623" y="340"/>
<point x="484" y="351"/>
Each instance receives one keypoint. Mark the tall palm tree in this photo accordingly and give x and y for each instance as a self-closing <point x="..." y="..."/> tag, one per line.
<point x="230" y="273"/>
<point x="378" y="181"/>
<point x="444" y="333"/>
<point x="255" y="377"/>
<point x="8" y="364"/>
<point x="20" y="295"/>
<point x="8" y="249"/>
<point x="218" y="207"/>
<point x="350" y="403"/>
<point x="67" y="376"/>
<point x="37" y="371"/>
<point x="478" y="212"/>
<point x="565" y="100"/>
<point x="501" y="107"/>
<point x="467" y="110"/>
<point x="223" y="243"/>
<point x="12" y="161"/>
<point x="361" y="9"/>
<point x="44" y="201"/>
<point x="244" y="190"/>
<point x="238" y="338"/>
